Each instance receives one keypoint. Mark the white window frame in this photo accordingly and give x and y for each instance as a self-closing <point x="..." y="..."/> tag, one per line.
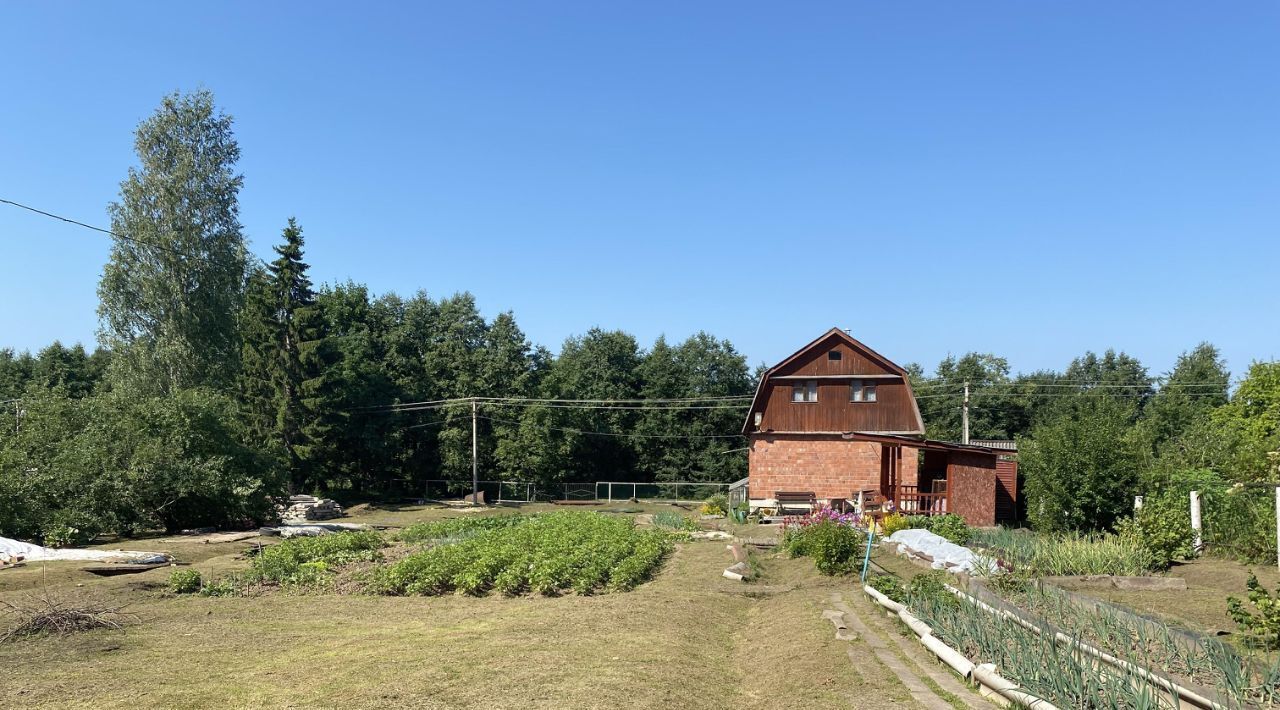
<point x="863" y="391"/>
<point x="804" y="392"/>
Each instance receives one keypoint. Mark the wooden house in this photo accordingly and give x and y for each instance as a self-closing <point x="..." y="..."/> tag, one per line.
<point x="839" y="420"/>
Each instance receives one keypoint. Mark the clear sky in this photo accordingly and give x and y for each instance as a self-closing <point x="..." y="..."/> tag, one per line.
<point x="1033" y="179"/>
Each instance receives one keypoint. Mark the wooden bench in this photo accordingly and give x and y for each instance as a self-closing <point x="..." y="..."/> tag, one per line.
<point x="792" y="500"/>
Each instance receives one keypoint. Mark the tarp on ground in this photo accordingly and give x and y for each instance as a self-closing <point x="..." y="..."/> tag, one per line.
<point x="34" y="553"/>
<point x="941" y="552"/>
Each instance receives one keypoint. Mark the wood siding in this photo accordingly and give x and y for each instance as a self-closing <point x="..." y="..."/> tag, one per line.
<point x="1006" y="489"/>
<point x="893" y="411"/>
<point x="816" y="361"/>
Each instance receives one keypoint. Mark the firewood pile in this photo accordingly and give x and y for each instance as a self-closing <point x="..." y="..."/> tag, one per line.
<point x="303" y="508"/>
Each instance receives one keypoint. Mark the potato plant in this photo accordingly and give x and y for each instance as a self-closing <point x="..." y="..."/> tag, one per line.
<point x="546" y="554"/>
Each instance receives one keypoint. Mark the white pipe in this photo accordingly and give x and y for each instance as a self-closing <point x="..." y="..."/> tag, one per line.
<point x="734" y="576"/>
<point x="949" y="655"/>
<point x="916" y="625"/>
<point x="1118" y="663"/>
<point x="987" y="675"/>
<point x="958" y="662"/>
<point x="884" y="601"/>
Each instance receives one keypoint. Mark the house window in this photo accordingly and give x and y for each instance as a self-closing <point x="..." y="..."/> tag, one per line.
<point x="833" y="355"/>
<point x="863" y="391"/>
<point x="806" y="391"/>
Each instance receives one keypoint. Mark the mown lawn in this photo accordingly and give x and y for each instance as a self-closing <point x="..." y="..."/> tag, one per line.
<point x="688" y="638"/>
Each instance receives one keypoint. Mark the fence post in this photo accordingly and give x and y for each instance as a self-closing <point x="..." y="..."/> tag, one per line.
<point x="611" y="491"/>
<point x="1137" y="503"/>
<point x="1195" y="520"/>
<point x="1278" y="525"/>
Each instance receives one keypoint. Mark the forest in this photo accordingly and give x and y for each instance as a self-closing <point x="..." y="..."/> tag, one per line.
<point x="221" y="382"/>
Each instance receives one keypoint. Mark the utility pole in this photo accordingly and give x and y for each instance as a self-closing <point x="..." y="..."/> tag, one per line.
<point x="964" y="416"/>
<point x="475" y="464"/>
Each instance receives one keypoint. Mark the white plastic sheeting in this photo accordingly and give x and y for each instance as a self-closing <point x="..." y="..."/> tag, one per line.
<point x="34" y="553"/>
<point x="942" y="553"/>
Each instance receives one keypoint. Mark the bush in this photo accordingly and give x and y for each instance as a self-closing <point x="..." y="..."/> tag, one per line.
<point x="1263" y="627"/>
<point x="717" y="504"/>
<point x="1163" y="528"/>
<point x="835" y="547"/>
<point x="184" y="581"/>
<point x="895" y="522"/>
<point x="951" y="526"/>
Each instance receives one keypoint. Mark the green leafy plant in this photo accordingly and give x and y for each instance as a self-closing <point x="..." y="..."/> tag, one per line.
<point x="307" y="560"/>
<point x="894" y="522"/>
<point x="717" y="504"/>
<point x="674" y="521"/>
<point x="545" y="554"/>
<point x="890" y="586"/>
<point x="835" y="547"/>
<point x="454" y="528"/>
<point x="184" y="581"/>
<point x="1263" y="624"/>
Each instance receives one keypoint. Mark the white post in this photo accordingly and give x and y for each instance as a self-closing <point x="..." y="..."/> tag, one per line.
<point x="1277" y="525"/>
<point x="475" y="465"/>
<point x="1195" y="520"/>
<point x="611" y="491"/>
<point x="964" y="436"/>
<point x="1137" y="503"/>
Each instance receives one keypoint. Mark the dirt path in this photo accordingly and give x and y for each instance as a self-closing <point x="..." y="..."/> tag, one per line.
<point x="930" y="684"/>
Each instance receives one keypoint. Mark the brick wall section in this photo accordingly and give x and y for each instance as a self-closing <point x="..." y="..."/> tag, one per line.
<point x="971" y="488"/>
<point x="830" y="466"/>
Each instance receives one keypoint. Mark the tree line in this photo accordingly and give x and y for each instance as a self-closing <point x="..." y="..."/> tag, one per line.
<point x="1104" y="430"/>
<point x="222" y="381"/>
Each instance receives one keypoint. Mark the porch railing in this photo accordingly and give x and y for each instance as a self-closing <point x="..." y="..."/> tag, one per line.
<point x="912" y="501"/>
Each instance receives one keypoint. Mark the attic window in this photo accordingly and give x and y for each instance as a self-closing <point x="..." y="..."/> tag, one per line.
<point x="833" y="355"/>
<point x="806" y="391"/>
<point x="862" y="391"/>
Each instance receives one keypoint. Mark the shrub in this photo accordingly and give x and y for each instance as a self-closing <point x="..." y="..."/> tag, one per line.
<point x="930" y="586"/>
<point x="1262" y="627"/>
<point x="835" y="547"/>
<point x="895" y="522"/>
<point x="952" y="527"/>
<point x="1163" y="528"/>
<point x="717" y="504"/>
<point x="184" y="581"/>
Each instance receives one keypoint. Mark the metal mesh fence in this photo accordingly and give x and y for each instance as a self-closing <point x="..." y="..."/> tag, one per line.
<point x="586" y="491"/>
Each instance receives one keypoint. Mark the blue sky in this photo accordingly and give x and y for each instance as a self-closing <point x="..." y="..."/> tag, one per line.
<point x="1030" y="179"/>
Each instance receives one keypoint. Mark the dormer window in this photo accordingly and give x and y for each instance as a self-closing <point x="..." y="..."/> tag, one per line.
<point x="806" y="391"/>
<point x="863" y="391"/>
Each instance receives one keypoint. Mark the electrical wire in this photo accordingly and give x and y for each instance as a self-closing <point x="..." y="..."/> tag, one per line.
<point x="117" y="235"/>
<point x="624" y="436"/>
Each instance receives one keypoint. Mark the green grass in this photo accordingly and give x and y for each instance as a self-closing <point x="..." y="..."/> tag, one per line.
<point x="686" y="639"/>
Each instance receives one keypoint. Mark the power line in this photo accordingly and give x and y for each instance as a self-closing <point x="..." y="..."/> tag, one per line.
<point x="117" y="235"/>
<point x="625" y="436"/>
